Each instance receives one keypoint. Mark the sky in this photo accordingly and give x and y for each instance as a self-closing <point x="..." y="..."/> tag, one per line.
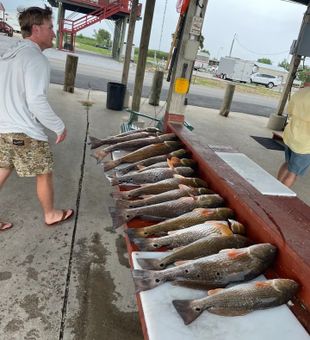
<point x="262" y="28"/>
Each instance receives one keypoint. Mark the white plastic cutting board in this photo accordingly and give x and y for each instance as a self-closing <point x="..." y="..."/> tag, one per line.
<point x="255" y="175"/>
<point x="164" y="323"/>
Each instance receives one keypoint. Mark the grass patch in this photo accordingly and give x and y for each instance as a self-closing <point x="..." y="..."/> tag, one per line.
<point x="95" y="49"/>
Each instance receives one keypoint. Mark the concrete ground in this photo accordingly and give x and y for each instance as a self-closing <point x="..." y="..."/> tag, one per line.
<point x="73" y="281"/>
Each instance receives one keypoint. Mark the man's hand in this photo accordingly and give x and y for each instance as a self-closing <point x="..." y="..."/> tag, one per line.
<point x="61" y="137"/>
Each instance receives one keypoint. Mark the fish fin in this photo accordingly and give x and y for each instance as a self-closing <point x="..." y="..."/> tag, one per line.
<point x="140" y="167"/>
<point x="94" y="142"/>
<point x="135" y="233"/>
<point x="263" y="284"/>
<point x="113" y="180"/>
<point x="178" y="176"/>
<point x="226" y="312"/>
<point x="201" y="285"/>
<point x="215" y="291"/>
<point x="118" y="195"/>
<point x="186" y="310"/>
<point x="174" y="161"/>
<point x="122" y="204"/>
<point x="233" y="253"/>
<point x="151" y="264"/>
<point x="117" y="217"/>
<point x="146" y="279"/>
<point x="171" y="232"/>
<point x="100" y="154"/>
<point x="170" y="164"/>
<point x="144" y="244"/>
<point x="109" y="165"/>
<point x="179" y="263"/>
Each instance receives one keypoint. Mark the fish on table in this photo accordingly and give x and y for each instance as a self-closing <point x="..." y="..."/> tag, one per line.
<point x="152" y="160"/>
<point x="143" y="153"/>
<point x="123" y="137"/>
<point x="152" y="175"/>
<point x="182" y="191"/>
<point x="161" y="186"/>
<point x="238" y="300"/>
<point x="168" y="209"/>
<point x="214" y="271"/>
<point x="133" y="144"/>
<point x="183" y="237"/>
<point x="196" y="216"/>
<point x="206" y="246"/>
<point x="173" y="162"/>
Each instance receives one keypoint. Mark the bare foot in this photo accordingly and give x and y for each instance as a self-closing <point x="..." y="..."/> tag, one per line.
<point x="5" y="226"/>
<point x="59" y="216"/>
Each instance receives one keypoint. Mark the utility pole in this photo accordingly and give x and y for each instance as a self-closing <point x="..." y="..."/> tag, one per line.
<point x="232" y="44"/>
<point x="184" y="61"/>
<point x="143" y="48"/>
<point x="277" y="120"/>
<point x="131" y="31"/>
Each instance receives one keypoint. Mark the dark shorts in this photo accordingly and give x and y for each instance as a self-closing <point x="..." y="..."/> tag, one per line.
<point x="29" y="157"/>
<point x="297" y="163"/>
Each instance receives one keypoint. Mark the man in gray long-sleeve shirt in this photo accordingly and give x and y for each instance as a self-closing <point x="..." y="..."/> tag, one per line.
<point x="24" y="111"/>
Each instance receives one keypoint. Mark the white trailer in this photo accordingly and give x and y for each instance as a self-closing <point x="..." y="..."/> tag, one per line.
<point x="235" y="69"/>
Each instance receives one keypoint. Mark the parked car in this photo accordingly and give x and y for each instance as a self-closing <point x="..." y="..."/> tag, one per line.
<point x="265" y="79"/>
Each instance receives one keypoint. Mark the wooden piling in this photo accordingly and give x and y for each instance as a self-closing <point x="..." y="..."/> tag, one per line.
<point x="70" y="73"/>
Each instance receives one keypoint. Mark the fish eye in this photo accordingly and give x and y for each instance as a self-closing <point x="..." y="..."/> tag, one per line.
<point x="186" y="271"/>
<point x="197" y="309"/>
<point x="157" y="280"/>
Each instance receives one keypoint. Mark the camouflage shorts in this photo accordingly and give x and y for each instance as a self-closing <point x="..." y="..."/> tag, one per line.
<point x="29" y="157"/>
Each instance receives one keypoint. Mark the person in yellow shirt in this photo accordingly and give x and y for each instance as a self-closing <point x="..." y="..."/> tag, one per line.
<point x="296" y="137"/>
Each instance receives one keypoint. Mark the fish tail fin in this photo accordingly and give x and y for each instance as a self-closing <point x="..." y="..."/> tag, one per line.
<point x="144" y="244"/>
<point x="100" y="155"/>
<point x="146" y="279"/>
<point x="118" y="217"/>
<point x="186" y="310"/>
<point x="135" y="233"/>
<point x="109" y="165"/>
<point x="118" y="195"/>
<point x="151" y="264"/>
<point x="121" y="203"/>
<point x="94" y="142"/>
<point x="114" y="180"/>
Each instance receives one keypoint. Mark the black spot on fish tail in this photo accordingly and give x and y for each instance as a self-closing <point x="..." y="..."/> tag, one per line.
<point x="152" y="264"/>
<point x="146" y="279"/>
<point x="187" y="312"/>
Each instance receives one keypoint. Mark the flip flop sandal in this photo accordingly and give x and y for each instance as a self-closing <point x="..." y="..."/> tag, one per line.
<point x="64" y="217"/>
<point x="5" y="226"/>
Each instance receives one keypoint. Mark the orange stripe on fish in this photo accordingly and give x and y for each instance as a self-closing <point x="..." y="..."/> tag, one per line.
<point x="214" y="291"/>
<point x="262" y="284"/>
<point x="234" y="253"/>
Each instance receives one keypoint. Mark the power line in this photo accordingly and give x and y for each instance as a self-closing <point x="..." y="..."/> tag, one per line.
<point x="259" y="53"/>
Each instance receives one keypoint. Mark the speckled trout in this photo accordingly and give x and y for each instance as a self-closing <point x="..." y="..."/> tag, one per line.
<point x="196" y="216"/>
<point x="183" y="237"/>
<point x="214" y="271"/>
<point x="162" y="186"/>
<point x="238" y="300"/>
<point x="152" y="175"/>
<point x="143" y="153"/>
<point x="173" y="162"/>
<point x="152" y="160"/>
<point x="124" y="137"/>
<point x="168" y="209"/>
<point x="208" y="245"/>
<point x="134" y="144"/>
<point x="170" y="195"/>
